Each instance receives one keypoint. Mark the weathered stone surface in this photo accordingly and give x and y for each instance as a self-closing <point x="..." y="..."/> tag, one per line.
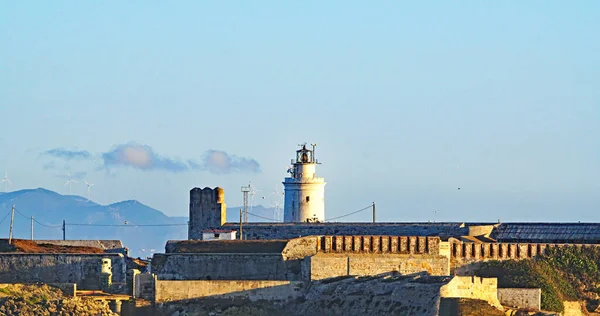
<point x="521" y="298"/>
<point x="274" y="291"/>
<point x="224" y="266"/>
<point x="207" y="211"/>
<point x="82" y="269"/>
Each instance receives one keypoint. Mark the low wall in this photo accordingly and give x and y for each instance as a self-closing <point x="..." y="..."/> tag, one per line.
<point x="323" y="266"/>
<point x="472" y="287"/>
<point x="82" y="269"/>
<point x="573" y="308"/>
<point x="225" y="266"/>
<point x="168" y="291"/>
<point x="521" y="298"/>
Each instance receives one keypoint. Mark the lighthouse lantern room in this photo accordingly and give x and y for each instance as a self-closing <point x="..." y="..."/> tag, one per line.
<point x="304" y="191"/>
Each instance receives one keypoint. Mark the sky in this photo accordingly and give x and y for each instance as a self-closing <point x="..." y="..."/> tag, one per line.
<point x="407" y="101"/>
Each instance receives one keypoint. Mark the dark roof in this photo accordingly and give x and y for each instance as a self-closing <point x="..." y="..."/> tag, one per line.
<point x="548" y="232"/>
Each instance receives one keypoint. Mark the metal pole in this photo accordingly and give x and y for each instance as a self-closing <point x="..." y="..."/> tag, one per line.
<point x="373" y="212"/>
<point x="31" y="227"/>
<point x="12" y="220"/>
<point x="240" y="224"/>
<point x="64" y="230"/>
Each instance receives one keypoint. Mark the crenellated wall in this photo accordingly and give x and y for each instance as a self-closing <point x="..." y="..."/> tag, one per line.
<point x="464" y="253"/>
<point x="306" y="258"/>
<point x="379" y="244"/>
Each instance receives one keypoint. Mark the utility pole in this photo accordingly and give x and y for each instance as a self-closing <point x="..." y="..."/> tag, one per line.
<point x="12" y="220"/>
<point x="240" y="224"/>
<point x="31" y="227"/>
<point x="373" y="212"/>
<point x="64" y="230"/>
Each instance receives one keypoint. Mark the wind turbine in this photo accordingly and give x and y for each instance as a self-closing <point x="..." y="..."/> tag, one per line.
<point x="252" y="194"/>
<point x="89" y="187"/>
<point x="6" y="182"/>
<point x="278" y="196"/>
<point x="69" y="182"/>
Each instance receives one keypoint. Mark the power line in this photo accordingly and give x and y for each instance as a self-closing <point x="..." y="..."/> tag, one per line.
<point x="362" y="209"/>
<point x="49" y="226"/>
<point x="269" y="219"/>
<point x="123" y="225"/>
<point x="5" y="216"/>
<point x="35" y="220"/>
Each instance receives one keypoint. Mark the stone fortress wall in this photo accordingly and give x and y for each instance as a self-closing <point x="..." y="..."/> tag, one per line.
<point x="306" y="258"/>
<point x="207" y="210"/>
<point x="464" y="253"/>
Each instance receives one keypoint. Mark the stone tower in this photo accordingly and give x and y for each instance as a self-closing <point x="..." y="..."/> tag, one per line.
<point x="304" y="192"/>
<point x="207" y="210"/>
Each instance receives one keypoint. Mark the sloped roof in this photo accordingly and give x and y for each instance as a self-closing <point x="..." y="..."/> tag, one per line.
<point x="548" y="232"/>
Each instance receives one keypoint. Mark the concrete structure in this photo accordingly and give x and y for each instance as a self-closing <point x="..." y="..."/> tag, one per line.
<point x="207" y="210"/>
<point x="304" y="191"/>
<point x="219" y="234"/>
<point x="521" y="298"/>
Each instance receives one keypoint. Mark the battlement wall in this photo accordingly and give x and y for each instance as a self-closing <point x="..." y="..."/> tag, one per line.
<point x="379" y="244"/>
<point x="464" y="253"/>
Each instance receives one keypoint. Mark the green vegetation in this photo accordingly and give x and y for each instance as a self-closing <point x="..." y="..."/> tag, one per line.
<point x="563" y="273"/>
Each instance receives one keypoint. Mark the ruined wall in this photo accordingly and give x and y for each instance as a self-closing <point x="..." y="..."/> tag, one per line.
<point x="226" y="266"/>
<point x="82" y="269"/>
<point x="168" y="291"/>
<point x="472" y="287"/>
<point x="207" y="210"/>
<point x="521" y="298"/>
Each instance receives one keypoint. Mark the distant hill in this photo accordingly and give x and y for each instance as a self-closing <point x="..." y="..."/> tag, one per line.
<point x="49" y="209"/>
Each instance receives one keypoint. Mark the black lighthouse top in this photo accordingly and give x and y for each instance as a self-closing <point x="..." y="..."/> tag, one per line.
<point x="305" y="155"/>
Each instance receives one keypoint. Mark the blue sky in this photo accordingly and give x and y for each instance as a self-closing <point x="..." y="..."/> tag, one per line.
<point x="408" y="101"/>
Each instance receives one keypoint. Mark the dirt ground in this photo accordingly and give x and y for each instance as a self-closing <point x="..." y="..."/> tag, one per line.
<point x="30" y="246"/>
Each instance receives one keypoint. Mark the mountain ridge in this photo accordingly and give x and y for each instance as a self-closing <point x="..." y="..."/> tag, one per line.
<point x="85" y="219"/>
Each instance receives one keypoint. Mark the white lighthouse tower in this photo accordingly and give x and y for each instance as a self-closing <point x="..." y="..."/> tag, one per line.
<point x="304" y="192"/>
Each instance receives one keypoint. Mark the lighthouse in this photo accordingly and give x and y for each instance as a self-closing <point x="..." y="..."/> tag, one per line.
<point x="304" y="191"/>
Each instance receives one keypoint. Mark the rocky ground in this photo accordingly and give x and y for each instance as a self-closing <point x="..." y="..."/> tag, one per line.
<point x="43" y="300"/>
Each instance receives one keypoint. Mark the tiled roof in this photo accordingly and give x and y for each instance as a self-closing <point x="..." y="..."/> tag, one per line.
<point x="548" y="232"/>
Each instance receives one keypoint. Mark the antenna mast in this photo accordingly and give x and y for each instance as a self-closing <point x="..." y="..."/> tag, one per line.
<point x="245" y="191"/>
